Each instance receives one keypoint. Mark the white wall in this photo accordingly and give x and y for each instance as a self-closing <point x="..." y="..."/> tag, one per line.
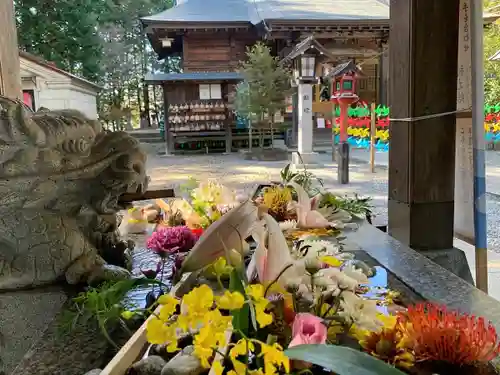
<point x="67" y="98"/>
<point x="54" y="90"/>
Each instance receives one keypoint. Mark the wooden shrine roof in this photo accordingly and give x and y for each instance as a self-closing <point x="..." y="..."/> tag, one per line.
<point x="257" y="11"/>
<point x="346" y="67"/>
<point x="304" y="46"/>
<point x="193" y="76"/>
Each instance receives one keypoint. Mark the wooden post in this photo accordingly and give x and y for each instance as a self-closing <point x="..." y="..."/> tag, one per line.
<point x="10" y="82"/>
<point x="169" y="145"/>
<point x="373" y="130"/>
<point x="423" y="81"/>
<point x="250" y="140"/>
<point x="334" y="122"/>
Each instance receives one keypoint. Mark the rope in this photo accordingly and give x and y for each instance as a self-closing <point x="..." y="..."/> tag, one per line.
<point x="427" y="117"/>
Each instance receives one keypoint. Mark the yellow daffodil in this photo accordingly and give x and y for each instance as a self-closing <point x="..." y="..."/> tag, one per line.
<point x="127" y="315"/>
<point x="230" y="301"/>
<point x="330" y="260"/>
<point x="221" y="268"/>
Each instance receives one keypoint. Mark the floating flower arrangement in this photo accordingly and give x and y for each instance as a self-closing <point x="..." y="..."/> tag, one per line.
<point x="297" y="302"/>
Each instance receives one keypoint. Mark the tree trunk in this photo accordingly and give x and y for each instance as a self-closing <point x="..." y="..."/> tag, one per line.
<point x="145" y="89"/>
<point x="10" y="82"/>
<point x="139" y="98"/>
<point x="271" y="126"/>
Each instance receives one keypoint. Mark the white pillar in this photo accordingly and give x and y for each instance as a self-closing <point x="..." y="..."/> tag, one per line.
<point x="305" y="131"/>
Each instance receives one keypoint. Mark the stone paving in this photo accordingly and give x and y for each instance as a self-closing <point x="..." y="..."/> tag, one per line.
<point x="243" y="175"/>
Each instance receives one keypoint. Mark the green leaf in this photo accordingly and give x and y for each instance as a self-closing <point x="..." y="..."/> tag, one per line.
<point x="341" y="360"/>
<point x="241" y="317"/>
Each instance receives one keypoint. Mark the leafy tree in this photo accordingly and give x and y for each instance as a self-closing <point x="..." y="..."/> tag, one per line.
<point x="101" y="40"/>
<point x="264" y="90"/>
<point x="62" y="31"/>
<point x="491" y="46"/>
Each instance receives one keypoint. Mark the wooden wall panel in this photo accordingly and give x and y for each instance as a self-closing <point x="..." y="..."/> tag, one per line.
<point x="368" y="85"/>
<point x="178" y="93"/>
<point x="216" y="51"/>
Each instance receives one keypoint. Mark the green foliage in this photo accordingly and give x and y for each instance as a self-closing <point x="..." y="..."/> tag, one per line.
<point x="304" y="178"/>
<point x="265" y="88"/>
<point x="62" y="31"/>
<point x="102" y="305"/>
<point x="241" y="317"/>
<point x="341" y="360"/>
<point x="355" y="206"/>
<point x="491" y="68"/>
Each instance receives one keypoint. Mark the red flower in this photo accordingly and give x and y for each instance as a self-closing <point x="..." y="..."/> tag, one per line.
<point x="197" y="232"/>
<point x="448" y="336"/>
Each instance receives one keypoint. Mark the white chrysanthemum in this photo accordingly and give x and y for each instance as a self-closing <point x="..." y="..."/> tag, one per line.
<point x="361" y="312"/>
<point x="316" y="248"/>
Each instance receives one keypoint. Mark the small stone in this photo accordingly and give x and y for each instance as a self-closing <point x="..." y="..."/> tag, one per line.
<point x="185" y="363"/>
<point x="188" y="350"/>
<point x="151" y="365"/>
<point x="96" y="371"/>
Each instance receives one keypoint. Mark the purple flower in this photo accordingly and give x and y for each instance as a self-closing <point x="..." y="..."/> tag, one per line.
<point x="171" y="240"/>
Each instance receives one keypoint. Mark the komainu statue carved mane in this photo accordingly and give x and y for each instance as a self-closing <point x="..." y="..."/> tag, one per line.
<point x="61" y="176"/>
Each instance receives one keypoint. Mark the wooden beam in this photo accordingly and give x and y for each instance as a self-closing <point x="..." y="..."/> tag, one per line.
<point x="150" y="194"/>
<point x="10" y="83"/>
<point x="423" y="81"/>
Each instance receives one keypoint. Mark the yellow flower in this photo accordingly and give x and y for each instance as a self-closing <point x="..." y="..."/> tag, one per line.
<point x="157" y="332"/>
<point x="217" y="368"/>
<point x="389" y="321"/>
<point x="220" y="267"/>
<point x="335" y="328"/>
<point x="274" y="358"/>
<point x="263" y="318"/>
<point x="217" y="321"/>
<point x="204" y="344"/>
<point x="127" y="314"/>
<point x="358" y="333"/>
<point x="242" y="347"/>
<point x="199" y="300"/>
<point x="230" y="301"/>
<point x="256" y="293"/>
<point x="330" y="260"/>
<point x="169" y="306"/>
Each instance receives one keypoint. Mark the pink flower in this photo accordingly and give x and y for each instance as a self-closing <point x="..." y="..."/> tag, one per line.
<point x="308" y="329"/>
<point x="171" y="240"/>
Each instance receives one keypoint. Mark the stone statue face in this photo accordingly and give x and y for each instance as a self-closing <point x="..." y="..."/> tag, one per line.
<point x="61" y="177"/>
